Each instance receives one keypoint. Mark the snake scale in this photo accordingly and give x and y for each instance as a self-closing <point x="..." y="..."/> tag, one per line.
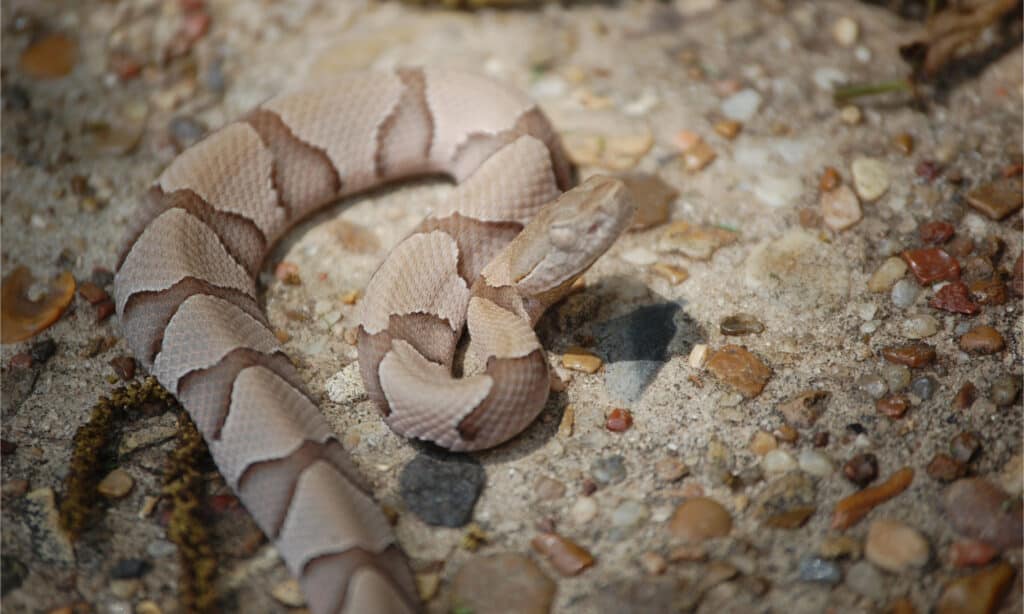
<point x="507" y="244"/>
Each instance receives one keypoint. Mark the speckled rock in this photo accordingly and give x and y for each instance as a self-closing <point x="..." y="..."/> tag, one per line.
<point x="503" y="582"/>
<point x="441" y="489"/>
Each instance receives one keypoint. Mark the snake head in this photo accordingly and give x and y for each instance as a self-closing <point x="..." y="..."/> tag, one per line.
<point x="569" y="234"/>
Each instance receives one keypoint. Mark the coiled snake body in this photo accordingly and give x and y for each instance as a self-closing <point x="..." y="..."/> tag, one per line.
<point x="506" y="245"/>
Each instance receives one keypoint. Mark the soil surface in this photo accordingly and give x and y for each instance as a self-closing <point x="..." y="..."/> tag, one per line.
<point x="731" y="105"/>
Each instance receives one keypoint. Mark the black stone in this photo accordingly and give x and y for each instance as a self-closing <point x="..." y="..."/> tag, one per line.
<point x="441" y="489"/>
<point x="126" y="569"/>
<point x="42" y="351"/>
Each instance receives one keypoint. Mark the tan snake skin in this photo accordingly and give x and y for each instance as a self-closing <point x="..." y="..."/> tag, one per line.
<point x="490" y="261"/>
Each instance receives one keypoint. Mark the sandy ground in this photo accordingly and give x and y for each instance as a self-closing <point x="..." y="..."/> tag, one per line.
<point x="621" y="75"/>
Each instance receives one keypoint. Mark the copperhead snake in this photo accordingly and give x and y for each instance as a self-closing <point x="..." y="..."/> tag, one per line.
<point x="504" y="247"/>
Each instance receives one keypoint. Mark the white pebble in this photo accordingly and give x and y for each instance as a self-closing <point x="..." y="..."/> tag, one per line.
<point x="742" y="105"/>
<point x="919" y="327"/>
<point x="584" y="510"/>
<point x="845" y="31"/>
<point x="778" y="461"/>
<point x="698" y="355"/>
<point x="640" y="256"/>
<point x="870" y="178"/>
<point x="551" y="86"/>
<point x="815" y="463"/>
<point x="862" y="54"/>
<point x="867" y="311"/>
<point x="647" y="101"/>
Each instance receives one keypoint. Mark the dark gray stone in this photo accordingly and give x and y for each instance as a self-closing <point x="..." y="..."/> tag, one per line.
<point x="126" y="569"/>
<point x="441" y="489"/>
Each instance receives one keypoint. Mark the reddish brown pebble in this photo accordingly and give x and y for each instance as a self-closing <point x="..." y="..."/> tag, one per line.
<point x="786" y="433"/>
<point x="978" y="593"/>
<point x="914" y="355"/>
<point x="936" y="232"/>
<point x="21" y="360"/>
<point x="790" y="519"/>
<point x="893" y="406"/>
<point x="956" y="298"/>
<point x="861" y="469"/>
<point x="965" y="396"/>
<point x="979" y="509"/>
<point x="21" y="316"/>
<point x="104" y="310"/>
<point x="223" y="503"/>
<point x="971" y="553"/>
<point x="964" y="446"/>
<point x="619" y="420"/>
<point x="991" y="291"/>
<point x="699" y="519"/>
<point x="568" y="558"/>
<point x="92" y="293"/>
<point x="982" y="340"/>
<point x="850" y="510"/>
<point x="588" y="487"/>
<point x="830" y="179"/>
<point x="821" y="439"/>
<point x="49" y="57"/>
<point x="737" y="367"/>
<point x="929" y="170"/>
<point x="931" y="264"/>
<point x="124" y="367"/>
<point x="945" y="468"/>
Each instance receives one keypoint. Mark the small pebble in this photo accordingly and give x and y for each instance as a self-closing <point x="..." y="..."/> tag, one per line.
<point x="919" y="327"/>
<point x="778" y="461"/>
<point x="1005" y="389"/>
<point x="850" y="510"/>
<point x="583" y="510"/>
<point x="839" y="547"/>
<point x="567" y="557"/>
<point x="850" y="114"/>
<point x="699" y="519"/>
<point x="608" y="470"/>
<point x="923" y="387"/>
<point x="578" y="359"/>
<point x="965" y="397"/>
<point x="979" y="509"/>
<point x="762" y="443"/>
<point x="956" y="298"/>
<point x="42" y="351"/>
<point x="546" y="488"/>
<point x="441" y="489"/>
<point x="675" y="275"/>
<point x="895" y="546"/>
<point x="511" y="579"/>
<point x="945" y="468"/>
<point x="861" y="469"/>
<point x="931" y="264"/>
<point x="979" y="593"/>
<point x="815" y="463"/>
<point x="982" y="340"/>
<point x="864" y="579"/>
<point x="742" y="106"/>
<point x="124" y="367"/>
<point x="670" y="469"/>
<point x="896" y="376"/>
<point x="740" y="324"/>
<point x="740" y="369"/>
<point x="936" y="232"/>
<point x="124" y="589"/>
<point x="840" y="208"/>
<point x="116" y="484"/>
<point x="288" y="593"/>
<point x="998" y="199"/>
<point x="618" y="420"/>
<point x="728" y="128"/>
<point x="915" y="355"/>
<point x="870" y="178"/>
<point x="820" y="570"/>
<point x="893" y="406"/>
<point x="845" y="31"/>
<point x="185" y="131"/>
<point x="904" y="293"/>
<point x="627" y="517"/>
<point x="873" y="386"/>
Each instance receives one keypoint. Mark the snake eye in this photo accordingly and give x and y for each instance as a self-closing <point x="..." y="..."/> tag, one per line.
<point x="562" y="237"/>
